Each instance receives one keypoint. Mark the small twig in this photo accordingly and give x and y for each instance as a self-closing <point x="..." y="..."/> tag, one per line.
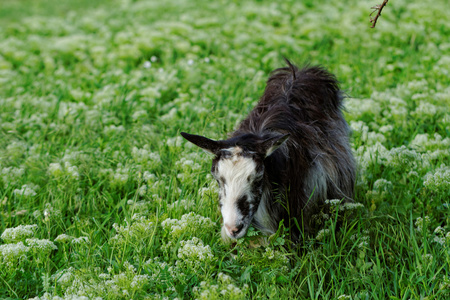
<point x="377" y="8"/>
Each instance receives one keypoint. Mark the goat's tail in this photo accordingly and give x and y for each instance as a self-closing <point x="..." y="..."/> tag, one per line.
<point x="311" y="88"/>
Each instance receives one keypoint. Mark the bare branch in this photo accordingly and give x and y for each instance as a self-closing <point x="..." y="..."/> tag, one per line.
<point x="377" y="8"/>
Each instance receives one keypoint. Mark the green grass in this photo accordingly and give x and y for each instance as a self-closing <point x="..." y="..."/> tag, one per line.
<point x="90" y="148"/>
<point x="14" y="11"/>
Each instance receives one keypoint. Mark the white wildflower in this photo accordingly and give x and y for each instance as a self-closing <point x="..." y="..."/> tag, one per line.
<point x="104" y="276"/>
<point x="147" y="64"/>
<point x="447" y="237"/>
<point x="170" y="115"/>
<point x="37" y="214"/>
<point x="351" y="206"/>
<point x="64" y="276"/>
<point x="27" y="190"/>
<point x="80" y="240"/>
<point x="439" y="180"/>
<point x="275" y="255"/>
<point x="19" y="233"/>
<point x="190" y="222"/>
<point x="41" y="245"/>
<point x="139" y="206"/>
<point x="129" y="267"/>
<point x="145" y="156"/>
<point x="425" y="109"/>
<point x="439" y="240"/>
<point x="50" y="212"/>
<point x="64" y="238"/>
<point x="364" y="242"/>
<point x="322" y="234"/>
<point x="224" y="289"/>
<point x="386" y="129"/>
<point x="369" y="137"/>
<point x="148" y="176"/>
<point x="397" y="108"/>
<point x="139" y="115"/>
<point x="371" y="155"/>
<point x="188" y="164"/>
<point x="125" y="283"/>
<point x="142" y="190"/>
<point x="55" y="169"/>
<point x="72" y="171"/>
<point x="175" y="142"/>
<point x="120" y="177"/>
<point x="11" y="254"/>
<point x="424" y="142"/>
<point x="194" y="253"/>
<point x="16" y="148"/>
<point x="182" y="203"/>
<point x="112" y="129"/>
<point x="382" y="185"/>
<point x="136" y="231"/>
<point x="139" y="281"/>
<point x="422" y="223"/>
<point x="209" y="192"/>
<point x="439" y="230"/>
<point x="333" y="202"/>
<point x="402" y="158"/>
<point x="360" y="107"/>
<point x="381" y="188"/>
<point x="11" y="175"/>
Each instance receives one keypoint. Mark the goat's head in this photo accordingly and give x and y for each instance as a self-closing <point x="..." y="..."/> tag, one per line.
<point x="238" y="167"/>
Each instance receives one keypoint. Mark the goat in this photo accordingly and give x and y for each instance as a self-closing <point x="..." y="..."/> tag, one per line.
<point x="286" y="158"/>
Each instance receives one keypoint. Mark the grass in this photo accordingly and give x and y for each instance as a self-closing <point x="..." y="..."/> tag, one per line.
<point x="93" y="96"/>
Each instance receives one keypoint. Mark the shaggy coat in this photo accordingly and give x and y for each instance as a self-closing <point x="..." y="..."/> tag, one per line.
<point x="316" y="162"/>
<point x="295" y="143"/>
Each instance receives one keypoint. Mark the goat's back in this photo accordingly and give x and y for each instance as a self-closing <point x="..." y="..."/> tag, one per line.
<point x="307" y="95"/>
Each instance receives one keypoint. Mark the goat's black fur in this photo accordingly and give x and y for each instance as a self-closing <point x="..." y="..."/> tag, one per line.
<point x="315" y="163"/>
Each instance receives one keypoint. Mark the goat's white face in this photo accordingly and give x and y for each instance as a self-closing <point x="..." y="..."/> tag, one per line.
<point x="239" y="173"/>
<point x="240" y="186"/>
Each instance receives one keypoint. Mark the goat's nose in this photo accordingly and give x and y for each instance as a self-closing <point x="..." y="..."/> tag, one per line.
<point x="234" y="230"/>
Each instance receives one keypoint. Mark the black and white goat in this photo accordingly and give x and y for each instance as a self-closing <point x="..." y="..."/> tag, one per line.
<point x="286" y="158"/>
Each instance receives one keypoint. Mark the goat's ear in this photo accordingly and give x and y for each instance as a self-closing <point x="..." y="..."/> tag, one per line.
<point x="203" y="142"/>
<point x="271" y="144"/>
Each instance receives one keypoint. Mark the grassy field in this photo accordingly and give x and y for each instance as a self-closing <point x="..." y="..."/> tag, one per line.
<point x="100" y="197"/>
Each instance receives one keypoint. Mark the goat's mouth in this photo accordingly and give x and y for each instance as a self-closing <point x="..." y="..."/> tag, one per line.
<point x="234" y="233"/>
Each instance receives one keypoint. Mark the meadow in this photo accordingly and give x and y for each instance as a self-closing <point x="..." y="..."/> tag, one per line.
<point x="101" y="198"/>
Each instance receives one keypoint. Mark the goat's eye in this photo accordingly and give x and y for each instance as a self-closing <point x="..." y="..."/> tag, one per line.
<point x="243" y="205"/>
<point x="242" y="199"/>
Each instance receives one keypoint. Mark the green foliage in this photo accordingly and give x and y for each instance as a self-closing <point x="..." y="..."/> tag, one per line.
<point x="100" y="197"/>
